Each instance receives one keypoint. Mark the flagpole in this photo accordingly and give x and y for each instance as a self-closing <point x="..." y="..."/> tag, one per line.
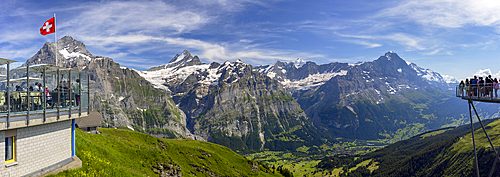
<point x="55" y="35"/>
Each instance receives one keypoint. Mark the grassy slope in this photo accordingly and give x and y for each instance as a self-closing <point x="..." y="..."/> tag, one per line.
<point x="126" y="153"/>
<point x="446" y="152"/>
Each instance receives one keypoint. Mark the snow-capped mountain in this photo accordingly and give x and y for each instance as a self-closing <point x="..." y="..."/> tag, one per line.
<point x="343" y="99"/>
<point x="303" y="75"/>
<point x="299" y="63"/>
<point x="177" y="70"/>
<point x="444" y="82"/>
<point x="170" y="76"/>
<point x="218" y="97"/>
<point x="180" y="60"/>
<point x="374" y="97"/>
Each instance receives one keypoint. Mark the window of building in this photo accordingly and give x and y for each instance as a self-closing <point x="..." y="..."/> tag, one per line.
<point x="10" y="149"/>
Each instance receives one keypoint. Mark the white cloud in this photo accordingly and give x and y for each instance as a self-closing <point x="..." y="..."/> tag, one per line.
<point x="230" y="5"/>
<point x="448" y="13"/>
<point x="410" y="42"/>
<point x="364" y="43"/>
<point x="246" y="40"/>
<point x="483" y="72"/>
<point x="12" y="52"/>
<point x="433" y="52"/>
<point x="136" y="27"/>
<point x="207" y="51"/>
<point x="149" y="17"/>
<point x="486" y="72"/>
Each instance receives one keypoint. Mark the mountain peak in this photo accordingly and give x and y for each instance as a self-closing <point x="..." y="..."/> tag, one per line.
<point x="299" y="63"/>
<point x="391" y="54"/>
<point x="186" y="52"/>
<point x="180" y="60"/>
<point x="67" y="38"/>
<point x="391" y="57"/>
<point x="184" y="56"/>
<point x="69" y="51"/>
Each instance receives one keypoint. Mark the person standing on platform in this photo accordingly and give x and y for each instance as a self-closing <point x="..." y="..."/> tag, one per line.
<point x="467" y="87"/>
<point x="496" y="86"/>
<point x="48" y="97"/>
<point x="18" y="88"/>
<point x="461" y="87"/>
<point x="489" y="86"/>
<point x="77" y="88"/>
<point x="473" y="84"/>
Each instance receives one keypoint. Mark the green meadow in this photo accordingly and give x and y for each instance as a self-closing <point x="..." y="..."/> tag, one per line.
<point x="117" y="152"/>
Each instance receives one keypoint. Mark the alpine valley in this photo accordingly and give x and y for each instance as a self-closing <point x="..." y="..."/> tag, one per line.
<point x="279" y="107"/>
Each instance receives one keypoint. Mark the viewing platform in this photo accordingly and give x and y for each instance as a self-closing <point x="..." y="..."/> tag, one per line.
<point x="39" y="105"/>
<point x="478" y="93"/>
<point x="62" y="94"/>
<point x="483" y="92"/>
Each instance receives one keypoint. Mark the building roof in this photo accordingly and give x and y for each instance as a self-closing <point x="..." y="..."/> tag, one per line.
<point x="92" y="120"/>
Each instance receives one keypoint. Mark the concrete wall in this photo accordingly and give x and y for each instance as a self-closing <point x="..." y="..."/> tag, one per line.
<point x="37" y="147"/>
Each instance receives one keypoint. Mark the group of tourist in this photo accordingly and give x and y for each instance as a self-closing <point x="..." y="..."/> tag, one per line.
<point x="480" y="87"/>
<point x="63" y="86"/>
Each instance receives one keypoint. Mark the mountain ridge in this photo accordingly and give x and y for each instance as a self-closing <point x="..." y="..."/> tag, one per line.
<point x="235" y="101"/>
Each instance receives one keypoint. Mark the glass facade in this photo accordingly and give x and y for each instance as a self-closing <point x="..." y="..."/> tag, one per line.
<point x="42" y="90"/>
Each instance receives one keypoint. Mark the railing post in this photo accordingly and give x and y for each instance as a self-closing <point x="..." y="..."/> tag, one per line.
<point x="28" y="92"/>
<point x="69" y="93"/>
<point x="7" y="123"/>
<point x="72" y="137"/>
<point x="58" y="94"/>
<point x="88" y="93"/>
<point x="44" y="97"/>
<point x="80" y="94"/>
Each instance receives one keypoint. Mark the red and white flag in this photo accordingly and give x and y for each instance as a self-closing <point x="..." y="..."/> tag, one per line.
<point x="48" y="27"/>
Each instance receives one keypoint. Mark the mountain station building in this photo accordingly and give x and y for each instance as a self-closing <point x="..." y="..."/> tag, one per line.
<point x="37" y="122"/>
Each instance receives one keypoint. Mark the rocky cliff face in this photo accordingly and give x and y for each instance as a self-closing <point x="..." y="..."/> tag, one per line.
<point x="385" y="98"/>
<point x="120" y="94"/>
<point x="234" y="105"/>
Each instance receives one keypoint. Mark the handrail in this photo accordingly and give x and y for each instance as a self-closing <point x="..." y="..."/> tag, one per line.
<point x="479" y="92"/>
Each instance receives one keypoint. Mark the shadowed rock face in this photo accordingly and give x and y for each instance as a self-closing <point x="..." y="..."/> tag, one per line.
<point x="245" y="106"/>
<point x="375" y="100"/>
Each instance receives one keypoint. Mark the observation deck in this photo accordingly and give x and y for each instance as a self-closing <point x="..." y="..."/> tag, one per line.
<point x="477" y="93"/>
<point x="62" y="94"/>
<point x="482" y="93"/>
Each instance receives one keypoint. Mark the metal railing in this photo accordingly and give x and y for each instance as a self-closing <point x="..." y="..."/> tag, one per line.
<point x="20" y="102"/>
<point x="478" y="91"/>
<point x="41" y="91"/>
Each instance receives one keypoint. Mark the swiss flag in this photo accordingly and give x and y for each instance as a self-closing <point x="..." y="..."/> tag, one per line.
<point x="48" y="27"/>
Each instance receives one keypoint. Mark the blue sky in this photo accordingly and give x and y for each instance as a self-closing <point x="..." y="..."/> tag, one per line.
<point x="453" y="37"/>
